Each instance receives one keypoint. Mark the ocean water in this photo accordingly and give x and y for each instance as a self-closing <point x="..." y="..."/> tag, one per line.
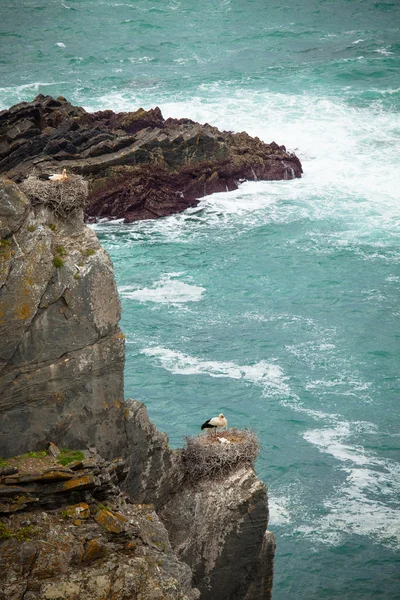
<point x="277" y="304"/>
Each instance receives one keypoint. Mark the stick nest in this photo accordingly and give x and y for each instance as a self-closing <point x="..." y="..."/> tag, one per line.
<point x="64" y="198"/>
<point x="206" y="457"/>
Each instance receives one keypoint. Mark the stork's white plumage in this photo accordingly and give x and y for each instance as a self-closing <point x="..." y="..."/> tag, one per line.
<point x="215" y="423"/>
<point x="59" y="177"/>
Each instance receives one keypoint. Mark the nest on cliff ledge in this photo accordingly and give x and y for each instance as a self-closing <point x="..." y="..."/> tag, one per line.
<point x="206" y="457"/>
<point x="63" y="198"/>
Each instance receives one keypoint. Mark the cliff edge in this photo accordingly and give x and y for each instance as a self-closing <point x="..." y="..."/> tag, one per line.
<point x="61" y="380"/>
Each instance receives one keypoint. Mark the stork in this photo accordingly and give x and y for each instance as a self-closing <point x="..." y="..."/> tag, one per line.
<point x="214" y="423"/>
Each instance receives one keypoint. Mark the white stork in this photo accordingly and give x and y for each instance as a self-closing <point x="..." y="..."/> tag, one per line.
<point x="58" y="177"/>
<point x="214" y="423"/>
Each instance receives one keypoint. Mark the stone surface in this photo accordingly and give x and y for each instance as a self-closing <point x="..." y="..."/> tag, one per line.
<point x="141" y="166"/>
<point x="153" y="468"/>
<point x="80" y="510"/>
<point x="110" y="521"/>
<point x="61" y="379"/>
<point x="49" y="559"/>
<point x="62" y="352"/>
<point x="217" y="527"/>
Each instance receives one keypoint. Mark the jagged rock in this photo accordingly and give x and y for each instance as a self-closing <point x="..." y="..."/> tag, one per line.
<point x="261" y="585"/>
<point x="110" y="521"/>
<point x="141" y="166"/>
<point x="213" y="524"/>
<point x="43" y="557"/>
<point x="13" y="208"/>
<point x="80" y="510"/>
<point x="53" y="449"/>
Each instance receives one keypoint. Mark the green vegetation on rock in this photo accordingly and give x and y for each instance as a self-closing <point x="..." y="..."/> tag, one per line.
<point x="67" y="456"/>
<point x="61" y="250"/>
<point x="38" y="454"/>
<point x="88" y="252"/>
<point x="23" y="534"/>
<point x="58" y="262"/>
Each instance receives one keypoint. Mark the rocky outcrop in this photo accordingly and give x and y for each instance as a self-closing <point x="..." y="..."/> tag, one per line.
<point x="217" y="525"/>
<point x="62" y="352"/>
<point x="61" y="378"/>
<point x="141" y="166"/>
<point x="86" y="542"/>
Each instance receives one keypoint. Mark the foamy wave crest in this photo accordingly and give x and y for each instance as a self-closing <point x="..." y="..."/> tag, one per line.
<point x="267" y="375"/>
<point x="168" y="290"/>
<point x="348" y="155"/>
<point x="367" y="503"/>
<point x="279" y="513"/>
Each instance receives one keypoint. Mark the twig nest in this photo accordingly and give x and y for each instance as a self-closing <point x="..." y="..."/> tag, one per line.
<point x="209" y="456"/>
<point x="63" y="198"/>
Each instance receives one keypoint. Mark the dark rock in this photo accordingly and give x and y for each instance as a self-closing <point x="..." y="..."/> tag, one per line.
<point x="140" y="165"/>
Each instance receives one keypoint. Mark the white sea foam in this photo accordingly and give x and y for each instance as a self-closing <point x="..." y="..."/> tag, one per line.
<point x="384" y="51"/>
<point x="168" y="290"/>
<point x="348" y="154"/>
<point x="61" y="45"/>
<point x="279" y="513"/>
<point x="331" y="441"/>
<point x="267" y="375"/>
<point x="367" y="503"/>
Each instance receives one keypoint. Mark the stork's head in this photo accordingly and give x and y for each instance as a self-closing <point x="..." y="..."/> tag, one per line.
<point x="221" y="416"/>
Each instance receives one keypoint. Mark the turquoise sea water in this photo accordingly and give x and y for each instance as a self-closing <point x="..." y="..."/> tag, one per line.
<point x="277" y="304"/>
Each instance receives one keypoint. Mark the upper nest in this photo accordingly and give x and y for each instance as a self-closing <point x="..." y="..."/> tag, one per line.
<point x="205" y="456"/>
<point x="63" y="198"/>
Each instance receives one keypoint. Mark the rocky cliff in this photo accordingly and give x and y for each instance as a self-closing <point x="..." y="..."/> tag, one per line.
<point x="140" y="165"/>
<point x="61" y="380"/>
<point x="73" y="535"/>
<point x="62" y="352"/>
